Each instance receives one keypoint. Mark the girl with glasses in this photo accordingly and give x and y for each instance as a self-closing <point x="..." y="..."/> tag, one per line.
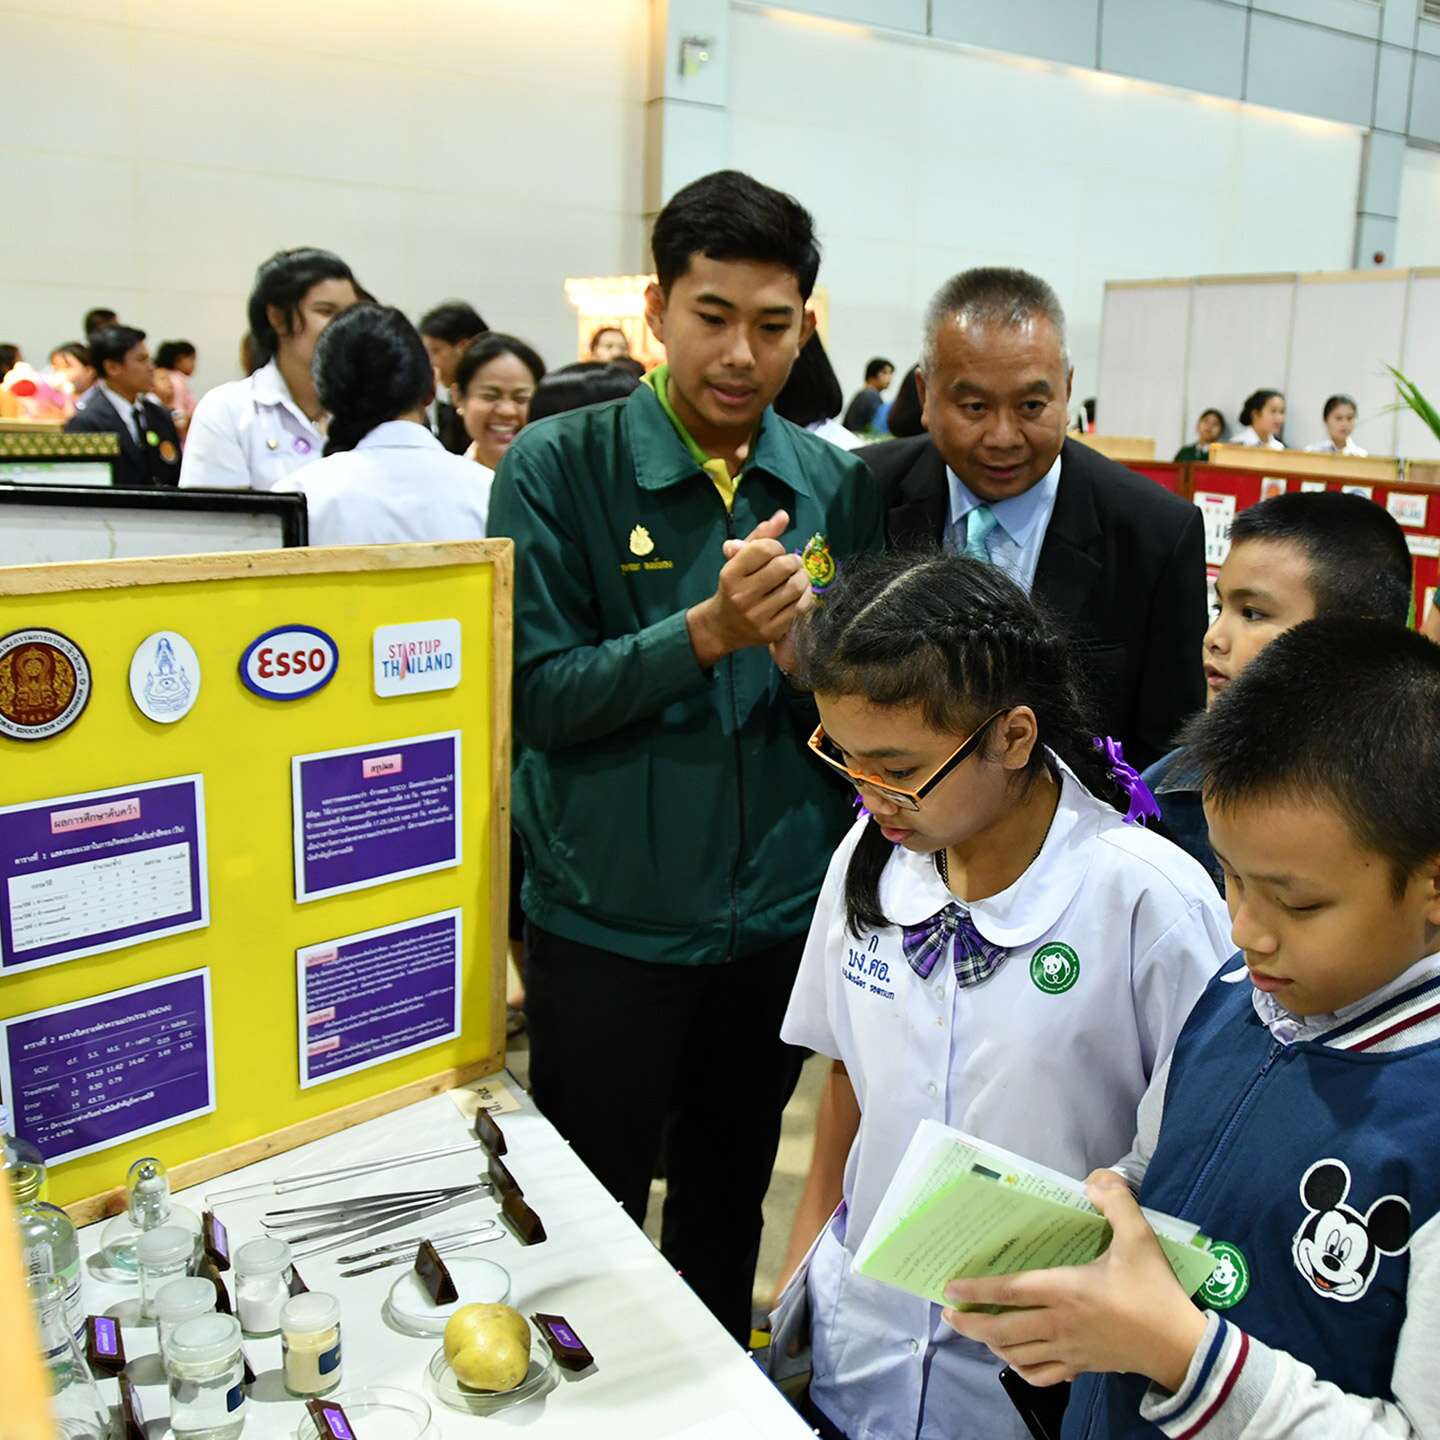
<point x="994" y="948"/>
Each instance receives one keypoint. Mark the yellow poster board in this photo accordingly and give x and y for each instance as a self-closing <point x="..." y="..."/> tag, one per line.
<point x="242" y="744"/>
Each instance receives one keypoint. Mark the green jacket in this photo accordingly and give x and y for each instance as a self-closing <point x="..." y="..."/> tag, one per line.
<point x="666" y="812"/>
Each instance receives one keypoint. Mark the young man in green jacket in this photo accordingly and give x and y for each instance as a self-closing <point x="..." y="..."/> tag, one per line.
<point x="675" y="829"/>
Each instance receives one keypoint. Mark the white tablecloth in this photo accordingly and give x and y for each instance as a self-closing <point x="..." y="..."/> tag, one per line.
<point x="663" y="1365"/>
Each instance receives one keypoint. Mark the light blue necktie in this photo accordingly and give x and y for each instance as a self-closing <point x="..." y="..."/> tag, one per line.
<point x="978" y="525"/>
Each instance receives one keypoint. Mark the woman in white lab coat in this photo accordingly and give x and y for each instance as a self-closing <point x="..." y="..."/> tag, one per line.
<point x="1261" y="421"/>
<point x="251" y="433"/>
<point x="1340" y="427"/>
<point x="384" y="476"/>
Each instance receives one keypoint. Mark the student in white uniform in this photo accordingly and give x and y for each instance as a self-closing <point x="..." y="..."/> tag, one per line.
<point x="385" y="476"/>
<point x="1262" y="418"/>
<point x="1339" y="426"/>
<point x="249" y="434"/>
<point x="993" y="948"/>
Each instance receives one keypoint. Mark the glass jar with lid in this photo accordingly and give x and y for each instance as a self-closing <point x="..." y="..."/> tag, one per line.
<point x="262" y="1271"/>
<point x="162" y="1255"/>
<point x="180" y="1300"/>
<point x="206" y="1372"/>
<point x="310" y="1344"/>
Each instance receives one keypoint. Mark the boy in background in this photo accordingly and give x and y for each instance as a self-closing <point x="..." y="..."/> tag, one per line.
<point x="1294" y="1118"/>
<point x="1296" y="557"/>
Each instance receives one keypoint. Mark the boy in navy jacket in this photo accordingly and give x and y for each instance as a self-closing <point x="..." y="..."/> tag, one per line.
<point x="1297" y="1127"/>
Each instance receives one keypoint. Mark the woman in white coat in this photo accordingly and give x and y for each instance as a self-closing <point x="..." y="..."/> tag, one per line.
<point x="1261" y="421"/>
<point x="251" y="433"/>
<point x="384" y="476"/>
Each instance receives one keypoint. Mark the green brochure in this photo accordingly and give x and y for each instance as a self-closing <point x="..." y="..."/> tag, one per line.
<point x="959" y="1208"/>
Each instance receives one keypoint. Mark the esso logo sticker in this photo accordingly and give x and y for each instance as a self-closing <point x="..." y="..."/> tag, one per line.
<point x="289" y="662"/>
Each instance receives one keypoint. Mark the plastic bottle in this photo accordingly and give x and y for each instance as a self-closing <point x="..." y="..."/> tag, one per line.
<point x="74" y="1400"/>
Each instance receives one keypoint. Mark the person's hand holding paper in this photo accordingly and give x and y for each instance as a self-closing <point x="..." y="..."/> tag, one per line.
<point x="1122" y="1312"/>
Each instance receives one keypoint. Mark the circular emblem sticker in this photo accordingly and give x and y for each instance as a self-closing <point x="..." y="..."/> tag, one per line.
<point x="1054" y="968"/>
<point x="44" y="684"/>
<point x="1229" y="1281"/>
<point x="164" y="677"/>
<point x="289" y="662"/>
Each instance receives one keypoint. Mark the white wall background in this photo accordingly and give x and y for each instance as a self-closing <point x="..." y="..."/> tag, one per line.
<point x="920" y="159"/>
<point x="1417" y="234"/>
<point x="155" y="152"/>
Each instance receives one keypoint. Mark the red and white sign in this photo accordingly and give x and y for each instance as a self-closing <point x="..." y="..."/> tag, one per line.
<point x="289" y="662"/>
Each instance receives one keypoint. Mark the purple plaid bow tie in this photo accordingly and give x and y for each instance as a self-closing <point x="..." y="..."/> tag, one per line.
<point x="976" y="959"/>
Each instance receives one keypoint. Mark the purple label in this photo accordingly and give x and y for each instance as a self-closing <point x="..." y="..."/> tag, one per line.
<point x="85" y="1076"/>
<point x="565" y="1335"/>
<point x="363" y="817"/>
<point x="107" y="1341"/>
<point x="95" y="872"/>
<point x="219" y="1237"/>
<point x="369" y="997"/>
<point x="335" y="1419"/>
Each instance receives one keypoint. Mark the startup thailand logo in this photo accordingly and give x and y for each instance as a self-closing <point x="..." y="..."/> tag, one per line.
<point x="413" y="658"/>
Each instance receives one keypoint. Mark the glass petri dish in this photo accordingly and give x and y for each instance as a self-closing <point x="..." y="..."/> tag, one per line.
<point x="378" y="1412"/>
<point x="537" y="1380"/>
<point x="478" y="1282"/>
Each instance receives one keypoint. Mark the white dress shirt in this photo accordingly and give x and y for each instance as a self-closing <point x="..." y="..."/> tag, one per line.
<point x="248" y="435"/>
<point x="1327" y="447"/>
<point x="1020" y="524"/>
<point x="1247" y="435"/>
<point x="1054" y="1076"/>
<point x="399" y="483"/>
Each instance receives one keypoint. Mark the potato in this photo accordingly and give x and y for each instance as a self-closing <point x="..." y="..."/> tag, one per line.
<point x="471" y="1322"/>
<point x="492" y="1360"/>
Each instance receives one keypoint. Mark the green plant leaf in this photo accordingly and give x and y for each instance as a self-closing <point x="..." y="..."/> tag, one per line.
<point x="1410" y="393"/>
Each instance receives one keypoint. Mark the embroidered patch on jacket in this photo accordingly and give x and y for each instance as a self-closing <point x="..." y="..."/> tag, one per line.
<point x="1337" y="1249"/>
<point x="819" y="563"/>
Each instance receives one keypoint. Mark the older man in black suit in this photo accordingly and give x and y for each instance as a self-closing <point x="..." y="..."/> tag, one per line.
<point x="1117" y="560"/>
<point x="120" y="402"/>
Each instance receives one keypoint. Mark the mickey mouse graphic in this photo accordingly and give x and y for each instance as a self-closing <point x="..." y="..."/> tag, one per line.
<point x="1337" y="1249"/>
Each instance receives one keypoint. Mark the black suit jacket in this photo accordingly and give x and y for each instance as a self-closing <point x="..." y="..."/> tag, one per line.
<point x="141" y="466"/>
<point x="1121" y="569"/>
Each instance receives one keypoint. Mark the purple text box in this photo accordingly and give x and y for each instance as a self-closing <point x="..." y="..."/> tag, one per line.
<point x="86" y="873"/>
<point x="94" y="1073"/>
<point x="371" y="997"/>
<point x="375" y="813"/>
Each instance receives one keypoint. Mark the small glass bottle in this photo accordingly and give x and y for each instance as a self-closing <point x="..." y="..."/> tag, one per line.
<point x="48" y="1240"/>
<point x="75" y="1402"/>
<point x="162" y="1255"/>
<point x="179" y="1301"/>
<point x="310" y="1343"/>
<point x="148" y="1206"/>
<point x="206" y="1370"/>
<point x="262" y="1270"/>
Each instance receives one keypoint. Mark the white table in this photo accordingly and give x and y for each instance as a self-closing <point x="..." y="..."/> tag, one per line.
<point x="662" y="1363"/>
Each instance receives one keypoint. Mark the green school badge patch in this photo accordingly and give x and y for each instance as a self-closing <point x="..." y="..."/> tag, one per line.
<point x="820" y="565"/>
<point x="1054" y="968"/>
<point x="1229" y="1281"/>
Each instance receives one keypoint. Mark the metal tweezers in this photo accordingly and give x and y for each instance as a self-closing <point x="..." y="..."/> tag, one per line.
<point x="375" y="1222"/>
<point x="444" y="1245"/>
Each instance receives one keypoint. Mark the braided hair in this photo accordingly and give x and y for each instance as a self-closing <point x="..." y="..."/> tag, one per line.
<point x="959" y="639"/>
<point x="370" y="366"/>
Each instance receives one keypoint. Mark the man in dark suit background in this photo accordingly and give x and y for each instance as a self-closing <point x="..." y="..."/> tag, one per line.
<point x="120" y="402"/>
<point x="1116" y="559"/>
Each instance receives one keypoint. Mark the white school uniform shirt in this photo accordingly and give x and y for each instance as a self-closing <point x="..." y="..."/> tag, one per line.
<point x="1112" y="933"/>
<point x="1247" y="435"/>
<point x="1327" y="447"/>
<point x="399" y="483"/>
<point x="248" y="435"/>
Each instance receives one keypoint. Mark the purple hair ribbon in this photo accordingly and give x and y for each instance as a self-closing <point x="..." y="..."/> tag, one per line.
<point x="1142" y="803"/>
